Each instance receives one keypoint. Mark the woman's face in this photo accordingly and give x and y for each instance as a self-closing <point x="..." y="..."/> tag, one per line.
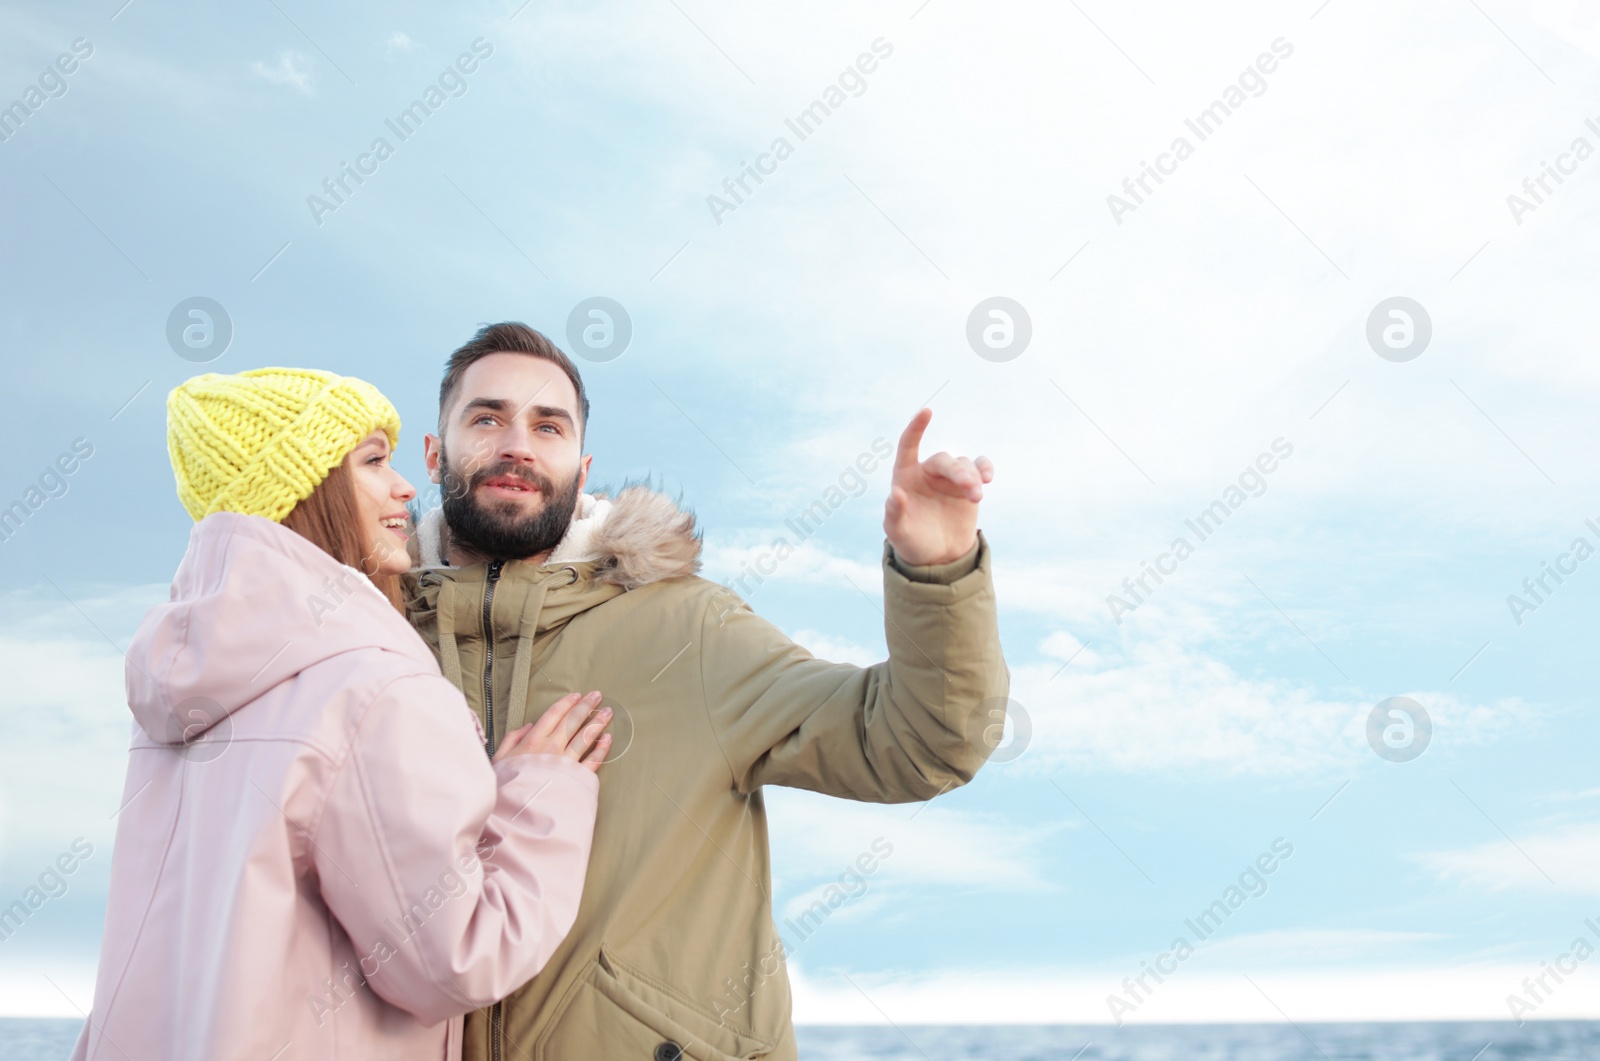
<point x="381" y="496"/>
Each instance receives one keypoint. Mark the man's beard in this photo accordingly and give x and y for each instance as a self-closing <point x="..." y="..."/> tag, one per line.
<point x="496" y="530"/>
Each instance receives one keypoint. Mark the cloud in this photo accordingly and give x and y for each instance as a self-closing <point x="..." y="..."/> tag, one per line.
<point x="817" y="838"/>
<point x="1568" y="797"/>
<point x="1155" y="695"/>
<point x="1561" y="859"/>
<point x="746" y="567"/>
<point x="1167" y="703"/>
<point x="1169" y="331"/>
<point x="867" y="861"/>
<point x="292" y="69"/>
<point x="399" y="44"/>
<point x="836" y="649"/>
<point x="1576" y="22"/>
<point x="65" y="718"/>
<point x="860" y="899"/>
<point x="1315" y="946"/>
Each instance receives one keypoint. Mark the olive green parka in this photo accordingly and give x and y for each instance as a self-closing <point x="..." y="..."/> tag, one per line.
<point x="674" y="952"/>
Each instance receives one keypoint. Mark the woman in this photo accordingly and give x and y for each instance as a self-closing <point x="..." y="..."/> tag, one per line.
<point x="314" y="858"/>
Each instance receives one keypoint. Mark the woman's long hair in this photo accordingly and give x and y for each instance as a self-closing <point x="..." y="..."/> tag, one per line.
<point x="331" y="520"/>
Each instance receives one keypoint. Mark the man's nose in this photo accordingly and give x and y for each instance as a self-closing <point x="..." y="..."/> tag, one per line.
<point x="517" y="445"/>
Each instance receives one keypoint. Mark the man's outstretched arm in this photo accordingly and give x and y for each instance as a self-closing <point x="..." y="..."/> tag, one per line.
<point x="906" y="729"/>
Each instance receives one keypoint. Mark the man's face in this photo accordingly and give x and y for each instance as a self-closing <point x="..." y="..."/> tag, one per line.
<point x="508" y="459"/>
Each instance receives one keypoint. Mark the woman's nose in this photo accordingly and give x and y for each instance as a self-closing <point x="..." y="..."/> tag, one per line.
<point x="403" y="490"/>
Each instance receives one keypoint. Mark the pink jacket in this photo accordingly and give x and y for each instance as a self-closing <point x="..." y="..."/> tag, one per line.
<point x="314" y="857"/>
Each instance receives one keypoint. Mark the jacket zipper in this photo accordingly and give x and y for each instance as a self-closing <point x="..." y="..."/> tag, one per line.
<point x="488" y="663"/>
<point x="496" y="1011"/>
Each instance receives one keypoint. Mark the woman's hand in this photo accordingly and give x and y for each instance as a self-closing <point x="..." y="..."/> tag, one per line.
<point x="564" y="730"/>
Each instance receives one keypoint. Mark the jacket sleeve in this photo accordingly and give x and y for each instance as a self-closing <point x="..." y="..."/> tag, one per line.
<point x="455" y="878"/>
<point x="903" y="730"/>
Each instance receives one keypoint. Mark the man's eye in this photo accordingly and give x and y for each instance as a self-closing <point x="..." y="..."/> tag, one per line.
<point x="484" y="419"/>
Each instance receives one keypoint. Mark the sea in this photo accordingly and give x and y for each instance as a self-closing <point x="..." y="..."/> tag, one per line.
<point x="52" y="1040"/>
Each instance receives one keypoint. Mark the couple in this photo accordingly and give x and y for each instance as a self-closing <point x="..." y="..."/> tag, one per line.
<point x="315" y="856"/>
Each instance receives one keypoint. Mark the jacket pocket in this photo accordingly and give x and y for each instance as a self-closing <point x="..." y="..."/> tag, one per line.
<point x="616" y="1013"/>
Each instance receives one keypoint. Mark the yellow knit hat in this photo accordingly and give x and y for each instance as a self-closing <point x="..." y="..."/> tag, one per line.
<point x="260" y="442"/>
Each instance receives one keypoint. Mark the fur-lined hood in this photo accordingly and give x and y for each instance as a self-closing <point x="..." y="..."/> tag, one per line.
<point x="640" y="537"/>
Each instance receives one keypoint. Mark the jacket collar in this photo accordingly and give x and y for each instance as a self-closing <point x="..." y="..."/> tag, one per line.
<point x="641" y="536"/>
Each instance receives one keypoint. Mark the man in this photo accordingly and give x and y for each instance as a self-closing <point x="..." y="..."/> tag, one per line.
<point x="527" y="588"/>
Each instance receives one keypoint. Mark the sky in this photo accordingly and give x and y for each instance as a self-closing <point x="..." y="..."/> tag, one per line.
<point x="1339" y="343"/>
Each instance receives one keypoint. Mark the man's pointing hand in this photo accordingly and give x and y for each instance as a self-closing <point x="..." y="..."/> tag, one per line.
<point x="931" y="516"/>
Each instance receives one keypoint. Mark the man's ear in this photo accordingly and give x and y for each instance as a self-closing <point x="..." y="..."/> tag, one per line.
<point x="431" y="448"/>
<point x="583" y="471"/>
